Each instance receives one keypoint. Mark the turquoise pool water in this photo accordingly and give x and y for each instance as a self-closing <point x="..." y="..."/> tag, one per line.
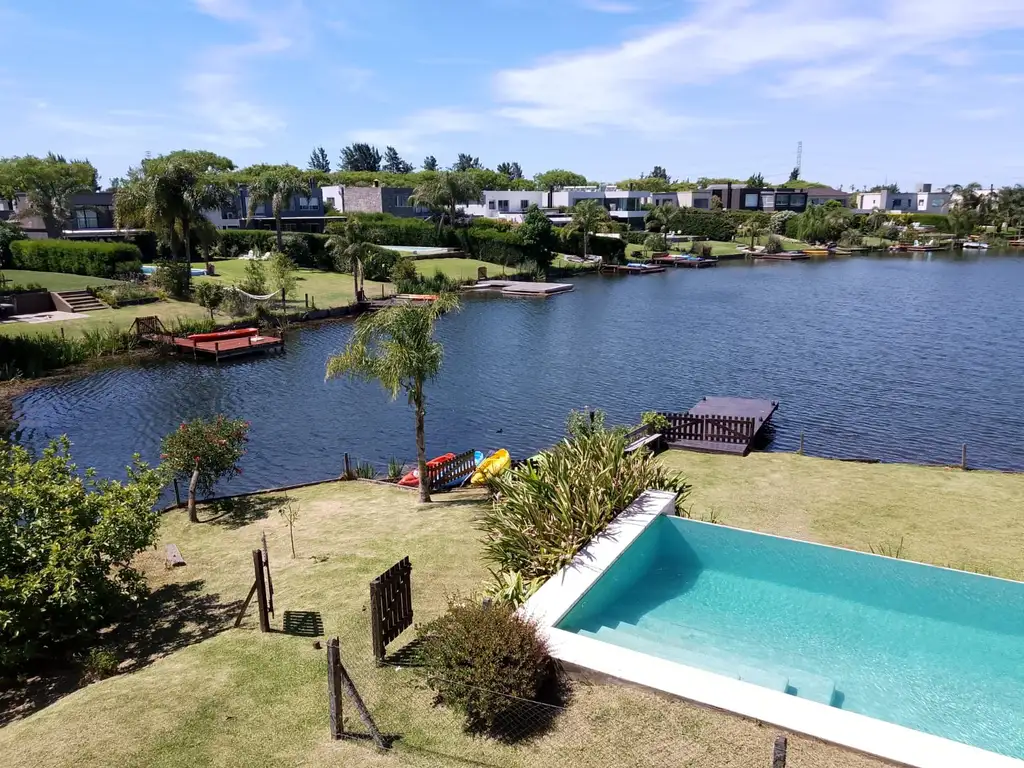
<point x="932" y="649"/>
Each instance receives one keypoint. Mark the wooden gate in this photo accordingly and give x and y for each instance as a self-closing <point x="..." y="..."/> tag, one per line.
<point x="390" y="605"/>
<point x="443" y="474"/>
<point x="709" y="428"/>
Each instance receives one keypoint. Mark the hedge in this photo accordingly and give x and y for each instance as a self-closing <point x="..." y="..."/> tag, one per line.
<point x="610" y="249"/>
<point x="76" y="257"/>
<point x="937" y="220"/>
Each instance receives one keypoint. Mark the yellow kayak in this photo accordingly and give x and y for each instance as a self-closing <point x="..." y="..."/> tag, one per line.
<point x="494" y="464"/>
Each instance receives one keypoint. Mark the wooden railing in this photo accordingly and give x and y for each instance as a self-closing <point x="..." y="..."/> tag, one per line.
<point x="462" y="465"/>
<point x="710" y="428"/>
<point x="390" y="605"/>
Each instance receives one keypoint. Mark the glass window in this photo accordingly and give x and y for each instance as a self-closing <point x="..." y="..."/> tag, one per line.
<point x="85" y="219"/>
<point x="781" y="199"/>
<point x="490" y="204"/>
<point x="701" y="203"/>
<point x="797" y="200"/>
<point x="261" y="209"/>
<point x="330" y="201"/>
<point x="936" y="203"/>
<point x="524" y="204"/>
<point x="750" y="199"/>
<point x="402" y="201"/>
<point x="503" y="205"/>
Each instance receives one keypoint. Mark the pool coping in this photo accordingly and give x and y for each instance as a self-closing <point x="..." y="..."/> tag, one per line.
<point x="862" y="733"/>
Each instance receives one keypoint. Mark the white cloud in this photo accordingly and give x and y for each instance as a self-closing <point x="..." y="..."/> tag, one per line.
<point x="409" y="134"/>
<point x="789" y="49"/>
<point x="1007" y="79"/>
<point x="982" y="114"/>
<point x="608" y="6"/>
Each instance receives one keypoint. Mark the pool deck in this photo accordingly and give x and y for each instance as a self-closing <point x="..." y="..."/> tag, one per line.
<point x="520" y="287"/>
<point x="593" y="657"/>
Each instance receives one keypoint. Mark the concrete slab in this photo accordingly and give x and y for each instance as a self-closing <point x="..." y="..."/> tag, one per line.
<point x="44" y="317"/>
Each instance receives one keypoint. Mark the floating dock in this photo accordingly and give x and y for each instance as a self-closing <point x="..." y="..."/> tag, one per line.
<point x="630" y="269"/>
<point x="720" y="425"/>
<point x="691" y="262"/>
<point x="520" y="287"/>
<point x="782" y="256"/>
<point x="151" y="329"/>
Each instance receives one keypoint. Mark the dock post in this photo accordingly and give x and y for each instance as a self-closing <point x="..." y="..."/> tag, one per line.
<point x="348" y="470"/>
<point x="177" y="493"/>
<point x="801" y="451"/>
<point x="307" y="301"/>
<point x="963" y="456"/>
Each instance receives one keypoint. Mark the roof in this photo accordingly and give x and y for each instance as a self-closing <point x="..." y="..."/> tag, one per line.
<point x="827" y="192"/>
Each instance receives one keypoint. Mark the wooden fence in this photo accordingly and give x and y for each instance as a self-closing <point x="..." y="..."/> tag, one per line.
<point x="390" y="605"/>
<point x="443" y="474"/>
<point x="710" y="428"/>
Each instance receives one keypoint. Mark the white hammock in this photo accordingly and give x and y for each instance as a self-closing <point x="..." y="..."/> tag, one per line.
<point x="254" y="298"/>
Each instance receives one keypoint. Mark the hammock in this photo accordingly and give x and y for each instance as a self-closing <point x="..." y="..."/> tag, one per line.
<point x="254" y="298"/>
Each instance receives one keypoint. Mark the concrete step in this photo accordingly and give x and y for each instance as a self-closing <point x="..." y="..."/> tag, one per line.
<point x="81" y="301"/>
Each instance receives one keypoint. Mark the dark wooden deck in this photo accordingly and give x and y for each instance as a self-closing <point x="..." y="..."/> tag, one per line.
<point x="222" y="349"/>
<point x="698" y="262"/>
<point x="720" y="425"/>
<point x="627" y="269"/>
<point x="783" y="256"/>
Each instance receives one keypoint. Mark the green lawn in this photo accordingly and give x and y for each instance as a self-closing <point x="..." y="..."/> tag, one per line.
<point x="55" y="281"/>
<point x="460" y="269"/>
<point x="200" y="693"/>
<point x="718" y="248"/>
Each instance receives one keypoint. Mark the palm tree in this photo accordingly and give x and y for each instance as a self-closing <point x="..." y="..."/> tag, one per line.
<point x="661" y="218"/>
<point x="348" y="247"/>
<point x="961" y="221"/>
<point x="276" y="188"/>
<point x="588" y="216"/>
<point x="755" y="226"/>
<point x="443" y="193"/>
<point x="396" y="347"/>
<point x="877" y="219"/>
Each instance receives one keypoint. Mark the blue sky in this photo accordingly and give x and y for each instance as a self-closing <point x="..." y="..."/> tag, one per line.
<point x="901" y="90"/>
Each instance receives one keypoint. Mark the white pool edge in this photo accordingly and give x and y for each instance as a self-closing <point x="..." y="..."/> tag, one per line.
<point x="859" y="732"/>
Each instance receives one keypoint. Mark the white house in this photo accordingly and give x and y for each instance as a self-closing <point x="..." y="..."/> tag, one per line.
<point x="924" y="200"/>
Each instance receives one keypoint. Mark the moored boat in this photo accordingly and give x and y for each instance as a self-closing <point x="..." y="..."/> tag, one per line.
<point x="236" y="333"/>
<point x="412" y="479"/>
<point x="493" y="465"/>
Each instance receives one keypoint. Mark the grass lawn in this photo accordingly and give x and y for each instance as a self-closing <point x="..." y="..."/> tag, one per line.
<point x="207" y="695"/>
<point x="168" y="311"/>
<point x="55" y="281"/>
<point x="460" y="269"/>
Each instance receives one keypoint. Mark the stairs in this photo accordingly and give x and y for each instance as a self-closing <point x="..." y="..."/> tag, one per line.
<point x="79" y="301"/>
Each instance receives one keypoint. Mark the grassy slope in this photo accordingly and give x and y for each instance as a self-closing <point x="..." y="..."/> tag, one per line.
<point x="460" y="269"/>
<point x="55" y="281"/>
<point x="239" y="695"/>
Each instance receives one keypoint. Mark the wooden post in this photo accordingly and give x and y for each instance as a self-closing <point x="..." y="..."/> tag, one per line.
<point x="963" y="456"/>
<point x="348" y="469"/>
<point x="261" y="590"/>
<point x="364" y="713"/>
<point x="270" y="580"/>
<point x="307" y="301"/>
<point x="379" y="648"/>
<point x="334" y="688"/>
<point x="177" y="493"/>
<point x="779" y="752"/>
<point x="801" y="451"/>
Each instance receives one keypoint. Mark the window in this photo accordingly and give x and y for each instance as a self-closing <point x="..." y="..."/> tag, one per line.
<point x="503" y="206"/>
<point x="402" y="200"/>
<point x="797" y="201"/>
<point x="330" y="201"/>
<point x="937" y="203"/>
<point x="768" y="201"/>
<point x="921" y="203"/>
<point x="85" y="219"/>
<point x="490" y="204"/>
<point x="261" y="209"/>
<point x="896" y="202"/>
<point x="781" y="200"/>
<point x="308" y="204"/>
<point x="751" y="199"/>
<point x="524" y="204"/>
<point x="701" y="203"/>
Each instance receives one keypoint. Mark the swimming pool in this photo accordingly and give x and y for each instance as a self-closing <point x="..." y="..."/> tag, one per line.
<point x="150" y="269"/>
<point x="931" y="649"/>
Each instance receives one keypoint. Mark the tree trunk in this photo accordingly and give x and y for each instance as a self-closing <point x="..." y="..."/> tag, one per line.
<point x="188" y="257"/>
<point x="277" y="223"/>
<point x="421" y="443"/>
<point x="355" y="276"/>
<point x="193" y="515"/>
<point x="291" y="536"/>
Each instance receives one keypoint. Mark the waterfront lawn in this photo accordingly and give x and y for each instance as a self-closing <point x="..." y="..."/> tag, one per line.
<point x="205" y="694"/>
<point x="54" y="281"/>
<point x="460" y="269"/>
<point x="325" y="289"/>
<point x="969" y="520"/>
<point x="718" y="248"/>
<point x="122" y="318"/>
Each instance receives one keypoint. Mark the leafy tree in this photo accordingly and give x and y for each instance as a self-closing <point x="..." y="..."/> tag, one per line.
<point x="360" y="157"/>
<point x="276" y="188"/>
<point x="777" y="223"/>
<point x="289" y="512"/>
<point x="50" y="183"/>
<point x="588" y="217"/>
<point x="209" y="296"/>
<point x="794" y="174"/>
<point x="559" y="178"/>
<point x="707" y="181"/>
<point x="756" y="181"/>
<point x="282" y="275"/>
<point x="755" y="226"/>
<point x="348" y="250"/>
<point x="647" y="183"/>
<point x="659" y="173"/>
<point x="894" y="188"/>
<point x="67" y="541"/>
<point x="511" y="171"/>
<point x="9" y="232"/>
<point x="538" y="236"/>
<point x="466" y="163"/>
<point x="716" y="203"/>
<point x="203" y="451"/>
<point x="877" y="219"/>
<point x="255" y="280"/>
<point x="404" y="275"/>
<point x="396" y="346"/>
<point x="443" y="194"/>
<point x="318" y="160"/>
<point x="655" y="242"/>
<point x="393" y="162"/>
<point x="430" y="163"/>
<point x="661" y="218"/>
<point x="1009" y="206"/>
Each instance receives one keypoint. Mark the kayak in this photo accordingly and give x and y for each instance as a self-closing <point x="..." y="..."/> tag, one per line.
<point x="455" y="482"/>
<point x="237" y="333"/>
<point x="412" y="479"/>
<point x="493" y="465"/>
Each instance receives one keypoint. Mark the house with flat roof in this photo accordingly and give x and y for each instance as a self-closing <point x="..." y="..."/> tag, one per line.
<point x="924" y="200"/>
<point x="375" y="199"/>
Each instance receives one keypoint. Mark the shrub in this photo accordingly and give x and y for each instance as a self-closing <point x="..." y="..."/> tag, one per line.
<point x="482" y="660"/>
<point x="203" y="451"/>
<point x="366" y="471"/>
<point x="548" y="510"/>
<point x="937" y="220"/>
<point x="851" y="237"/>
<point x="385" y="229"/>
<point x="711" y="225"/>
<point x="378" y="262"/>
<point x="68" y="540"/>
<point x="172" y="277"/>
<point x="123" y="292"/>
<point x="237" y="242"/>
<point x="395" y="468"/>
<point x="209" y="296"/>
<point x="404" y="275"/>
<point x="773" y="244"/>
<point x="777" y="223"/>
<point x="255" y="280"/>
<point x="100" y="664"/>
<point x="32" y="356"/>
<point x="611" y="249"/>
<point x="281" y="270"/>
<point x="655" y="420"/>
<point x="76" y="257"/>
<point x="9" y="232"/>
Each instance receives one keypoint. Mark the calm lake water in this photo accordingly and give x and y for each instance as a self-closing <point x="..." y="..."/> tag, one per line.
<point x="890" y="358"/>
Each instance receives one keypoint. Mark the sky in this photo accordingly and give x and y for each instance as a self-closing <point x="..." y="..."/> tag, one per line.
<point x="885" y="91"/>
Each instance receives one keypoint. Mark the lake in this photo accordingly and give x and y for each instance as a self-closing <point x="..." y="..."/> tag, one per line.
<point x="891" y="358"/>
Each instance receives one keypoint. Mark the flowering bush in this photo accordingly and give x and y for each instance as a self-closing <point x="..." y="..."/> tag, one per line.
<point x="204" y="451"/>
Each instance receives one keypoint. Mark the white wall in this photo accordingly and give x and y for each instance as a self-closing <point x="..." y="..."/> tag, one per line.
<point x="510" y="201"/>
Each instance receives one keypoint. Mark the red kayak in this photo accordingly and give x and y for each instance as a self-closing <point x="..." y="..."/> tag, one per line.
<point x="237" y="333"/>
<point x="412" y="479"/>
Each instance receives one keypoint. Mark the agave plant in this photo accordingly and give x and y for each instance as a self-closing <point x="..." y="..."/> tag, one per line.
<point x="395" y="468"/>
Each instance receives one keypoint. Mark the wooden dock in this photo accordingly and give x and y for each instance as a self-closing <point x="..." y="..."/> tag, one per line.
<point x="720" y="425"/>
<point x="520" y="287"/>
<point x="631" y="269"/>
<point x="782" y="256"/>
<point x="152" y="330"/>
<point x="691" y="262"/>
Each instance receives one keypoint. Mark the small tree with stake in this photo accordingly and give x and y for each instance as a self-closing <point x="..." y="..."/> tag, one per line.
<point x="209" y="295"/>
<point x="290" y="513"/>
<point x="204" y="451"/>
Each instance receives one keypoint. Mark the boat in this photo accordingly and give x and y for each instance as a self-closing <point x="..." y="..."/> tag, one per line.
<point x="493" y="465"/>
<point x="416" y="296"/>
<point x="975" y="244"/>
<point x="929" y="246"/>
<point x="1016" y="243"/>
<point x="236" y="333"/>
<point x="455" y="482"/>
<point x="817" y="251"/>
<point x="412" y="479"/>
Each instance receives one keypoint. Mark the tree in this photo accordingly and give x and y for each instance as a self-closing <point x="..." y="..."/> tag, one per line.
<point x="360" y="157"/>
<point x="756" y="181"/>
<point x="512" y="171"/>
<point x="894" y="188"/>
<point x="9" y="232"/>
<point x="755" y="226"/>
<point x="559" y="178"/>
<point x="716" y="203"/>
<point x="877" y="219"/>
<point x="203" y="451"/>
<point x="646" y="183"/>
<point x="466" y="163"/>
<point x="538" y="236"/>
<point x="396" y="346"/>
<point x="67" y="541"/>
<point x="289" y="513"/>
<point x="794" y="174"/>
<point x="318" y="161"/>
<point x="661" y="218"/>
<point x="659" y="173"/>
<point x="347" y="249"/>
<point x="1009" y="206"/>
<point x="587" y="217"/>
<point x="276" y="188"/>
<point x="281" y="270"/>
<point x="655" y="242"/>
<point x="209" y="295"/>
<point x="430" y="163"/>
<point x="443" y="194"/>
<point x="777" y="222"/>
<point x="50" y="183"/>
<point x="393" y="162"/>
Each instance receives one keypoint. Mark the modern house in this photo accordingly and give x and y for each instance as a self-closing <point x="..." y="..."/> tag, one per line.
<point x="822" y="195"/>
<point x="375" y="199"/>
<point x="305" y="213"/>
<point x="92" y="215"/>
<point x="924" y="200"/>
<point x="743" y="198"/>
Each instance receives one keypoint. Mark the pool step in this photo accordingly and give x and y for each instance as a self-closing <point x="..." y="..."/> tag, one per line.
<point x="638" y="640"/>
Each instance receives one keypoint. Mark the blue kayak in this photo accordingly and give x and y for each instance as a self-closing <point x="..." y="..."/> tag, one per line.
<point x="478" y="457"/>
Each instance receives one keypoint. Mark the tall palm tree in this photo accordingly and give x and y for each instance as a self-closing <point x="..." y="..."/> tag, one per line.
<point x="396" y="346"/>
<point x="755" y="226"/>
<point x="276" y="188"/>
<point x="347" y="248"/>
<point x="961" y="220"/>
<point x="443" y="193"/>
<point x="588" y="216"/>
<point x="661" y="218"/>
